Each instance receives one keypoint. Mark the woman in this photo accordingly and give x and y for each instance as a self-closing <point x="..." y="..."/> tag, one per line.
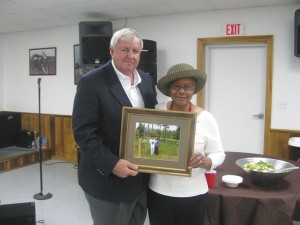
<point x="175" y="200"/>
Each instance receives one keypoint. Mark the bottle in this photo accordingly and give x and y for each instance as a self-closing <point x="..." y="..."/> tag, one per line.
<point x="37" y="143"/>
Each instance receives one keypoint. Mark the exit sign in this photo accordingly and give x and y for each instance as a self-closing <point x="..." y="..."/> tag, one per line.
<point x="233" y="29"/>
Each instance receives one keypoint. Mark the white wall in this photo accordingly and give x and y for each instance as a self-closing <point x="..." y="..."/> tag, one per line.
<point x="176" y="36"/>
<point x="21" y="90"/>
<point x="1" y="75"/>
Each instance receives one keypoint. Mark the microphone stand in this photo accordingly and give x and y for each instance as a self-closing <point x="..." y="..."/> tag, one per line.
<point x="40" y="195"/>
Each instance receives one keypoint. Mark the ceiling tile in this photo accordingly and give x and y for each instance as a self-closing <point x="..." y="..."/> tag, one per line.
<point x="21" y="15"/>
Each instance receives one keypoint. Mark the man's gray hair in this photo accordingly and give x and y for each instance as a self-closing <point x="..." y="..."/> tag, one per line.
<point x="126" y="34"/>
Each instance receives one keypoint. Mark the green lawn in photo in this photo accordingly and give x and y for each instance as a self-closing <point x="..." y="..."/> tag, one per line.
<point x="168" y="150"/>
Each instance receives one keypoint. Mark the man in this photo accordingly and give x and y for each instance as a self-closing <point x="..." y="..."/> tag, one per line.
<point x="113" y="188"/>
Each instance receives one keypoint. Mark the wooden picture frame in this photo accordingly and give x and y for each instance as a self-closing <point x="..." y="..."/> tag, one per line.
<point x="175" y="132"/>
<point x="42" y="61"/>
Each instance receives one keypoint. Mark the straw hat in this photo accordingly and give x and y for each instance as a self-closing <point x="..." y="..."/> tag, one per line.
<point x="179" y="71"/>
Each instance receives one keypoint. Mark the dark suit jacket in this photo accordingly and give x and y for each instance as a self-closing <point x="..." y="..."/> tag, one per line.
<point x="96" y="122"/>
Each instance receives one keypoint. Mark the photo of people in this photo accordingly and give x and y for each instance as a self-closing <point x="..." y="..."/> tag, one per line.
<point x="157" y="141"/>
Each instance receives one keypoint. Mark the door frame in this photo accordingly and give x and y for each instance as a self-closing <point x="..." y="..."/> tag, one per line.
<point x="263" y="39"/>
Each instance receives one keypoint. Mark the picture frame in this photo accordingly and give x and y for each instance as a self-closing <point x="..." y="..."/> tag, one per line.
<point x="79" y="69"/>
<point x="42" y="61"/>
<point x="175" y="132"/>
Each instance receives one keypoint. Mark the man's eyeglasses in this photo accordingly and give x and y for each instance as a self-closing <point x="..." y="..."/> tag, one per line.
<point x="176" y="87"/>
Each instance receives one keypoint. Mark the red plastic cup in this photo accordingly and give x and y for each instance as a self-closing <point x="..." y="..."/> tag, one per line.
<point x="210" y="178"/>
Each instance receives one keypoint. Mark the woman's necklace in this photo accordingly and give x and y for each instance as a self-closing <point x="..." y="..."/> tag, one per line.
<point x="172" y="104"/>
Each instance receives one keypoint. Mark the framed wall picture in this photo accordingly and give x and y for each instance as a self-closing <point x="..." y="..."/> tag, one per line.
<point x="79" y="70"/>
<point x="42" y="61"/>
<point x="158" y="141"/>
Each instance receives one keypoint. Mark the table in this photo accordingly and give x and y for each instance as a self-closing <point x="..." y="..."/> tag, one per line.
<point x="251" y="204"/>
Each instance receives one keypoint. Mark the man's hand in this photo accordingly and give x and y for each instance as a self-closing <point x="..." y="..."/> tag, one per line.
<point x="124" y="168"/>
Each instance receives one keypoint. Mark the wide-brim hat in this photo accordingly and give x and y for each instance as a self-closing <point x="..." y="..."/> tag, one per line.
<point x="179" y="71"/>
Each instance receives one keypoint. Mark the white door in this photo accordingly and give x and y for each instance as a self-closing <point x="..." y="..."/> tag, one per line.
<point x="235" y="94"/>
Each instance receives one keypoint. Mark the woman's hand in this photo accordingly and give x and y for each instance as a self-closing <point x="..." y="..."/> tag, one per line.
<point x="198" y="160"/>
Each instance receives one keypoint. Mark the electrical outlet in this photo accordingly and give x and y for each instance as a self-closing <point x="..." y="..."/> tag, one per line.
<point x="282" y="105"/>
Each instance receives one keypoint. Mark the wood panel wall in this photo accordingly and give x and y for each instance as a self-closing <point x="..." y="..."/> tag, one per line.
<point x="58" y="130"/>
<point x="65" y="145"/>
<point x="30" y="121"/>
<point x="277" y="143"/>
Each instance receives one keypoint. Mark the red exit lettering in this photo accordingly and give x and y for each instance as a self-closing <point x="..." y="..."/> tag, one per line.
<point x="233" y="29"/>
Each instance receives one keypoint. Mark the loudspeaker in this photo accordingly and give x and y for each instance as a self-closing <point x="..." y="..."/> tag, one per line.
<point x="149" y="68"/>
<point x="10" y="125"/>
<point x="24" y="138"/>
<point x="148" y="59"/>
<point x="94" y="37"/>
<point x="149" y="52"/>
<point x="17" y="214"/>
<point x="297" y="33"/>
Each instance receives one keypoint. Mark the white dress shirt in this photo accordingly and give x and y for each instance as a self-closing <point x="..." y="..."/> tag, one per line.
<point x="132" y="91"/>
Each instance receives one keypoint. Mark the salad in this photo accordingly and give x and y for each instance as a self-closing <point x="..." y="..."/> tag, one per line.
<point x="258" y="166"/>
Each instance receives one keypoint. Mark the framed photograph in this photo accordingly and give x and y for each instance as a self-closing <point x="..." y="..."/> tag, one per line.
<point x="158" y="141"/>
<point x="42" y="61"/>
<point x="79" y="70"/>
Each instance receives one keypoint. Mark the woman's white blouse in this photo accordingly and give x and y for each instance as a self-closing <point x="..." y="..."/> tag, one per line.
<point x="207" y="142"/>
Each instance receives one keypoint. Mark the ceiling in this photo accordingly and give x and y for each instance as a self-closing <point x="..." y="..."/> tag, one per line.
<point x="24" y="15"/>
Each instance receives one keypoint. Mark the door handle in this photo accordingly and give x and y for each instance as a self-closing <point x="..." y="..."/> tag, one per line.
<point x="259" y="116"/>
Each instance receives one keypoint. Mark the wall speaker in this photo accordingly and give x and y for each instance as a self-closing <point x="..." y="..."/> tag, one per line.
<point x="149" y="68"/>
<point x="297" y="33"/>
<point x="24" y="138"/>
<point x="17" y="214"/>
<point x="148" y="59"/>
<point x="94" y="38"/>
<point x="10" y="125"/>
